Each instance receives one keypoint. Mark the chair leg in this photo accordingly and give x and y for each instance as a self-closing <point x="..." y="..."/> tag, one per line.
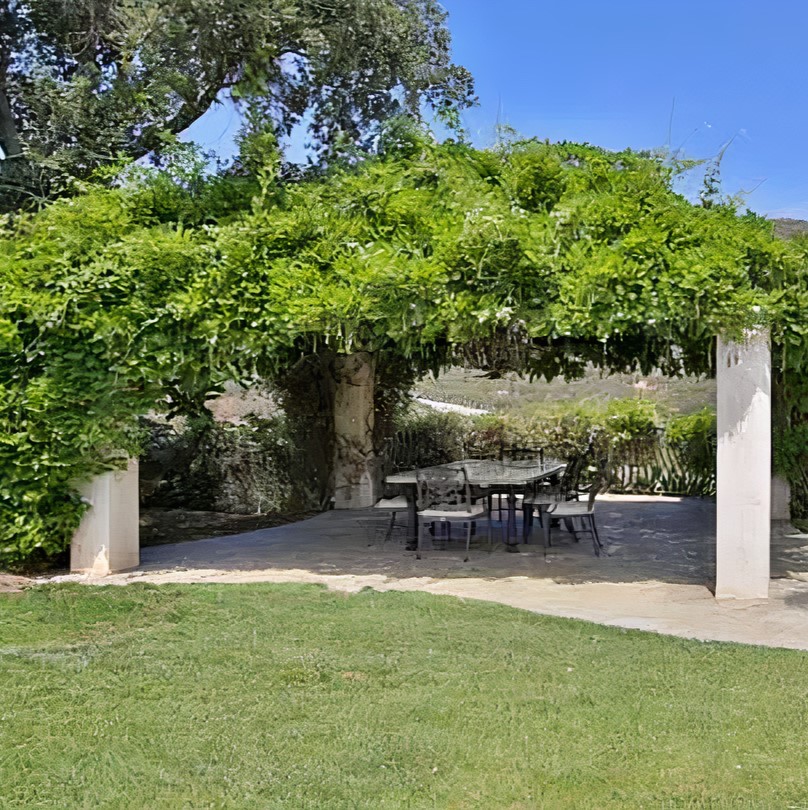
<point x="468" y="540"/>
<point x="572" y="529"/>
<point x="389" y="532"/>
<point x="533" y="514"/>
<point x="490" y="535"/>
<point x="527" y="523"/>
<point x="598" y="545"/>
<point x="546" y="528"/>
<point x="420" y="538"/>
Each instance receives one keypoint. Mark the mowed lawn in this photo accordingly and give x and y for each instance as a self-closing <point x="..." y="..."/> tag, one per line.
<point x="293" y="696"/>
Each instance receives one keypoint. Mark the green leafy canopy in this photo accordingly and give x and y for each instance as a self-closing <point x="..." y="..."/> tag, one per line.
<point x="534" y="256"/>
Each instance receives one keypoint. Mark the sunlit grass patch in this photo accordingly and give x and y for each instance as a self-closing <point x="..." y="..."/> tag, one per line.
<point x="294" y="696"/>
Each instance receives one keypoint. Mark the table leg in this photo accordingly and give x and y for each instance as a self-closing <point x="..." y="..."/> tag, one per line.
<point x="412" y="518"/>
<point x="512" y="516"/>
<point x="511" y="540"/>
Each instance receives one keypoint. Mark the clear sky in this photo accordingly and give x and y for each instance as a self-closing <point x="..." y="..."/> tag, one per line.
<point x="639" y="73"/>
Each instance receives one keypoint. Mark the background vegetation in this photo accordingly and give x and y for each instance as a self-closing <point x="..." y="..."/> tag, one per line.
<point x="470" y="387"/>
<point x="643" y="449"/>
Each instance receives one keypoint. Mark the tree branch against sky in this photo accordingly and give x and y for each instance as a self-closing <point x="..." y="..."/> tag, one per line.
<point x="91" y="81"/>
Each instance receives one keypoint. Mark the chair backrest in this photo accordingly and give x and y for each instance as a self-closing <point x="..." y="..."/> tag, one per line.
<point x="547" y="492"/>
<point x="444" y="489"/>
<point x="524" y="463"/>
<point x="598" y="470"/>
<point x="571" y="476"/>
<point x="530" y="468"/>
<point x="594" y="491"/>
<point x="535" y="454"/>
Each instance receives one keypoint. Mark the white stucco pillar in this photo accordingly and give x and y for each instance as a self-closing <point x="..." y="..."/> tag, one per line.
<point x="744" y="467"/>
<point x="108" y="538"/>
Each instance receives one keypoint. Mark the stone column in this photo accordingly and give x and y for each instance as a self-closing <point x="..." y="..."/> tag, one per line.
<point x="108" y="538"/>
<point x="744" y="467"/>
<point x="357" y="470"/>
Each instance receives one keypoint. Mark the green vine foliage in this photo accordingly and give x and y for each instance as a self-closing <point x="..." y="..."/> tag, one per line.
<point x="544" y="256"/>
<point x="89" y="339"/>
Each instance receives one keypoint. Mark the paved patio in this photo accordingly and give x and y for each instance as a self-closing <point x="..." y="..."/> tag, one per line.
<point x="656" y="575"/>
<point x="662" y="539"/>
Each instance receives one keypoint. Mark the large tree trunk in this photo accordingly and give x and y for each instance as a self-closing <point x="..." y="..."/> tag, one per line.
<point x="357" y="467"/>
<point x="307" y="397"/>
<point x="9" y="139"/>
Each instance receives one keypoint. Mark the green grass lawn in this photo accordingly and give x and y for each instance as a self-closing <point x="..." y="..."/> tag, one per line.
<point x="289" y="696"/>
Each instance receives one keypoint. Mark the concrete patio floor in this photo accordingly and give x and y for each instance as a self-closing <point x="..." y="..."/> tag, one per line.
<point x="656" y="574"/>
<point x="665" y="539"/>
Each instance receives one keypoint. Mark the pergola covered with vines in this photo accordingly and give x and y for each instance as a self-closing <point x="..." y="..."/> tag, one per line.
<point x="342" y="288"/>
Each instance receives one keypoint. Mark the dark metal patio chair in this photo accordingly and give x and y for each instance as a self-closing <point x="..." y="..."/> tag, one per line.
<point x="393" y="506"/>
<point x="444" y="498"/>
<point x="579" y="517"/>
<point x="547" y="492"/>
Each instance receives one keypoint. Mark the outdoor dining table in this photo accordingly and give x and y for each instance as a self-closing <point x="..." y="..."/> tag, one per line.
<point x="485" y="477"/>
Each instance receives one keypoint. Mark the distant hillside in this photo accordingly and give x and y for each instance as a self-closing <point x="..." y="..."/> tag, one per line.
<point x="471" y="388"/>
<point x="789" y="228"/>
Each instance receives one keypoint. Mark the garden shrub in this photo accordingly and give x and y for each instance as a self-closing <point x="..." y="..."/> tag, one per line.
<point x="561" y="430"/>
<point x="425" y="439"/>
<point x="791" y="461"/>
<point x="565" y="429"/>
<point x="694" y="436"/>
<point x="622" y="435"/>
<point x="248" y="468"/>
<point x="687" y="457"/>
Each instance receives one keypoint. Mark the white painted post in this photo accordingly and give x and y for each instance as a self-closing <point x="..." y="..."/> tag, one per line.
<point x="108" y="538"/>
<point x="744" y="467"/>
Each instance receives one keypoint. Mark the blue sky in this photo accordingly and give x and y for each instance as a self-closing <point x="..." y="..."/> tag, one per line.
<point x="611" y="72"/>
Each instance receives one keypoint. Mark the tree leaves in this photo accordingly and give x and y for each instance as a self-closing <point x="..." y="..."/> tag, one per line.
<point x="91" y="82"/>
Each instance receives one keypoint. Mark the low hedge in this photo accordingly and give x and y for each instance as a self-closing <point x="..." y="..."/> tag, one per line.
<point x="644" y="450"/>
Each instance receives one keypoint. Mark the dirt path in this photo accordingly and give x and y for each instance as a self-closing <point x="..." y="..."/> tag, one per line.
<point x="12" y="584"/>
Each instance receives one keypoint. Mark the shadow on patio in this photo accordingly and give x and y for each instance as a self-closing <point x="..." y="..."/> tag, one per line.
<point x="664" y="539"/>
